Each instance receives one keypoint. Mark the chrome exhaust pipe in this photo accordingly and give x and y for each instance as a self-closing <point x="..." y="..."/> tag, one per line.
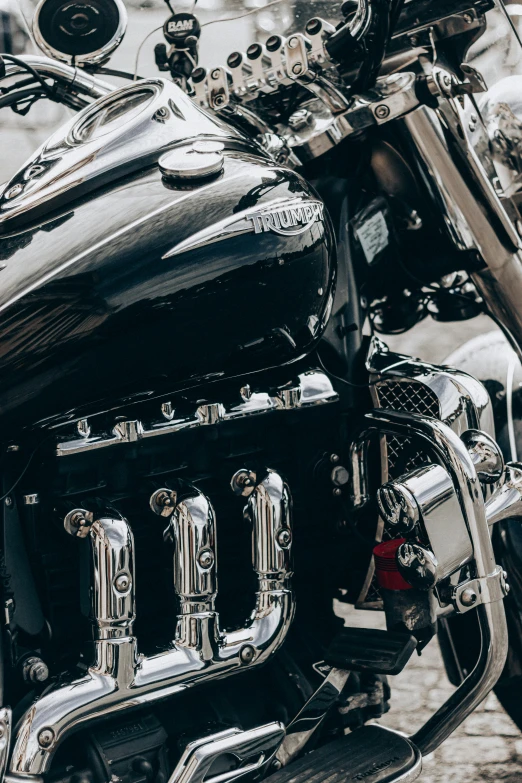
<point x="121" y="679"/>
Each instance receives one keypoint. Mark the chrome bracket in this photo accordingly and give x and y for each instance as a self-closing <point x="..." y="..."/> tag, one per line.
<point x="253" y="749"/>
<point x="484" y="590"/>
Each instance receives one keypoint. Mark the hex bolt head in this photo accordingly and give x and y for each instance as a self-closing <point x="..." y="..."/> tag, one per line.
<point x="35" y="670"/>
<point x="122" y="583"/>
<point x="382" y="111"/>
<point x="284" y="538"/>
<point x="247" y="654"/>
<point x="340" y="476"/>
<point x="468" y="597"/>
<point x="46" y="738"/>
<point x="206" y="559"/>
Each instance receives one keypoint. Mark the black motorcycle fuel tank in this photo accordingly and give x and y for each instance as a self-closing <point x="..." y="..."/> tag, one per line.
<point x="118" y="280"/>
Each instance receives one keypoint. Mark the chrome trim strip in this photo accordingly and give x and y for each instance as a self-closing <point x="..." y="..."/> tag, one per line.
<point x="313" y="388"/>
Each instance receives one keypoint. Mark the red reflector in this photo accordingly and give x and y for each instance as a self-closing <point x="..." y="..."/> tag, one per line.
<point x="386" y="570"/>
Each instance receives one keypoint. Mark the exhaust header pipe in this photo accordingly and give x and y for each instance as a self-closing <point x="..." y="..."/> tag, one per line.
<point x="119" y="678"/>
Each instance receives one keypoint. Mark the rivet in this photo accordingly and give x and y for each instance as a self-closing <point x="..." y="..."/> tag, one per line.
<point x="206" y="559"/>
<point x="46" y="738"/>
<point x="122" y="583"/>
<point x="247" y="653"/>
<point x="284" y="538"/>
<point x="9" y="501"/>
<point x="468" y="597"/>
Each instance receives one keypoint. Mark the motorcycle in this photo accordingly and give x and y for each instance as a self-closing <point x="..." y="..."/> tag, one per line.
<point x="188" y="266"/>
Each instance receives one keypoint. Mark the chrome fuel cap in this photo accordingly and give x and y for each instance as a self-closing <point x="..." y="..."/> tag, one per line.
<point x="195" y="161"/>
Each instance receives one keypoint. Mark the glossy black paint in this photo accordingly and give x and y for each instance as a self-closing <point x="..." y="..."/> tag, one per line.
<point x="90" y="310"/>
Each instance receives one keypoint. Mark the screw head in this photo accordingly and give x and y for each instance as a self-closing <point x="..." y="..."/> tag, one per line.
<point x="8" y="501"/>
<point x="206" y="559"/>
<point x="46" y="738"/>
<point x="35" y="670"/>
<point x="337" y="492"/>
<point x="122" y="583"/>
<point x="293" y="43"/>
<point x="216" y="73"/>
<point x="219" y="100"/>
<point x="284" y="538"/>
<point x="297" y="69"/>
<point x="247" y="653"/>
<point x="468" y="597"/>
<point x="382" y="111"/>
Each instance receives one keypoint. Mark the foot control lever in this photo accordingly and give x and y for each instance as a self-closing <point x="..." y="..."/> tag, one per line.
<point x="253" y="750"/>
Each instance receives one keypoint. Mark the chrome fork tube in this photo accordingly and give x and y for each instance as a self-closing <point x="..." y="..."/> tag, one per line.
<point x="500" y="283"/>
<point x="494" y="645"/>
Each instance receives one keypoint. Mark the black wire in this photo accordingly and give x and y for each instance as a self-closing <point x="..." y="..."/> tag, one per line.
<point x="31" y="70"/>
<point x="361" y="385"/>
<point x="121" y="74"/>
<point x="24" y="471"/>
<point x="9" y="100"/>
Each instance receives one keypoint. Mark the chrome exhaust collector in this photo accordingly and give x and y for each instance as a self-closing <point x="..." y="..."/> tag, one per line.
<point x="119" y="678"/>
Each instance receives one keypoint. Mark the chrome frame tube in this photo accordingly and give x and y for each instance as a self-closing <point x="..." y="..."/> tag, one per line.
<point x="119" y="679"/>
<point x="494" y="639"/>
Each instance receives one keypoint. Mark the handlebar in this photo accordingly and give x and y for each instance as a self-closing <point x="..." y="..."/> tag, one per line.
<point x="75" y="81"/>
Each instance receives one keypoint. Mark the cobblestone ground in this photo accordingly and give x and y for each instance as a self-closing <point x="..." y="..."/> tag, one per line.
<point x="487" y="747"/>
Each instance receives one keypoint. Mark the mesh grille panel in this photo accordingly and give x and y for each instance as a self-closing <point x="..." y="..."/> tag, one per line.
<point x="402" y="454"/>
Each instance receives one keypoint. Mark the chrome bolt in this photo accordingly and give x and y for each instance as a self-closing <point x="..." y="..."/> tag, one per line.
<point x="162" y="112"/>
<point x="78" y="522"/>
<point x="334" y="458"/>
<point x="293" y="43"/>
<point x="9" y="501"/>
<point x="337" y="492"/>
<point x="163" y="502"/>
<point x="247" y="653"/>
<point x="382" y="111"/>
<point x="46" y="738"/>
<point x="243" y="482"/>
<point x="446" y="79"/>
<point x="468" y="597"/>
<point x="276" y="764"/>
<point x="206" y="559"/>
<point x="297" y="69"/>
<point x="468" y="18"/>
<point x="340" y="476"/>
<point x="122" y="583"/>
<point x="216" y="74"/>
<point x="219" y="100"/>
<point x="35" y="670"/>
<point x="284" y="538"/>
<point x="167" y="410"/>
<point x="320" y="292"/>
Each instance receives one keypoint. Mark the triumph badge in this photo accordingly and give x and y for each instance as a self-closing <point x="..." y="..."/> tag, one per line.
<point x="288" y="220"/>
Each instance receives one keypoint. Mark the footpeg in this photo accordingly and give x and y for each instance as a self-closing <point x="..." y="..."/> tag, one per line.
<point x="252" y="751"/>
<point x="371" y="650"/>
<point x="371" y="754"/>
